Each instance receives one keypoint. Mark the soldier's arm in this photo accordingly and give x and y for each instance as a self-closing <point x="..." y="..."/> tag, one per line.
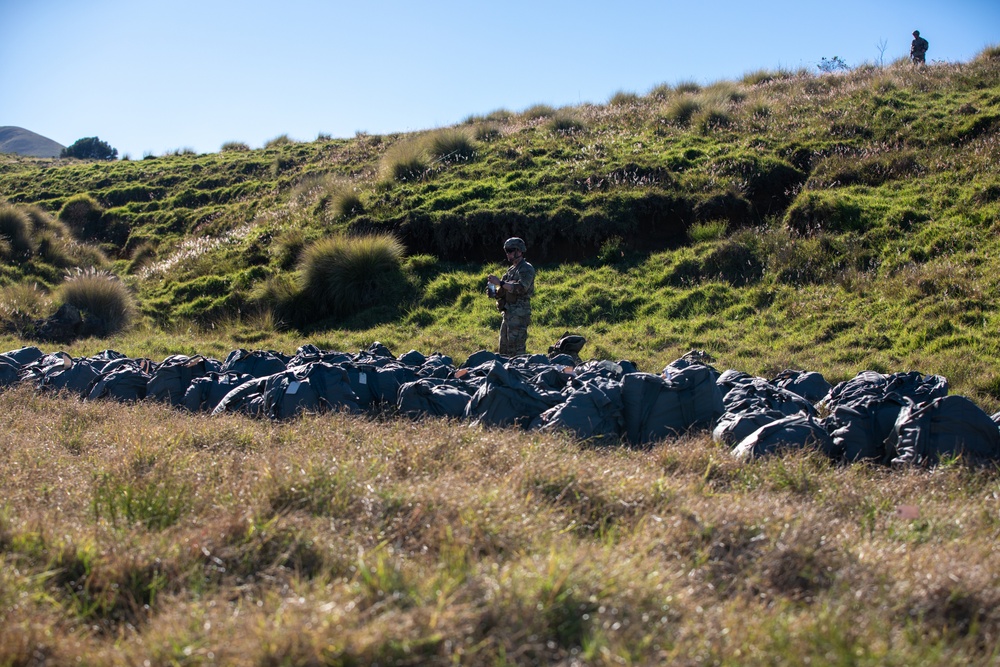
<point x="523" y="282"/>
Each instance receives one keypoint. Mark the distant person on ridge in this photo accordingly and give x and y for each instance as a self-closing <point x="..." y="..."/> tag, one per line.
<point x="513" y="294"/>
<point x="918" y="48"/>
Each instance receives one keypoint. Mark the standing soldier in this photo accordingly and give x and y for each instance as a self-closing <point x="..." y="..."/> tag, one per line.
<point x="918" y="48"/>
<point x="513" y="294"/>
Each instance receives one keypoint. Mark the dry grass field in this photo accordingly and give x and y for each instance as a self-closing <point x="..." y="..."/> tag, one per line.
<point x="140" y="535"/>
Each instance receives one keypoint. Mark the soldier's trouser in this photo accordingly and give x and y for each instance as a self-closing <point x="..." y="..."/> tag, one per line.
<point x="514" y="334"/>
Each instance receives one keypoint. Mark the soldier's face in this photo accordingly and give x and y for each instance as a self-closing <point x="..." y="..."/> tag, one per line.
<point x="513" y="254"/>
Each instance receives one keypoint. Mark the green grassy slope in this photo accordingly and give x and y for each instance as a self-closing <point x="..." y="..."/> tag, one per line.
<point x="836" y="223"/>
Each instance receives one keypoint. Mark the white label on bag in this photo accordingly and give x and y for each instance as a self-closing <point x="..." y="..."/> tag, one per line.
<point x="363" y="378"/>
<point x="293" y="387"/>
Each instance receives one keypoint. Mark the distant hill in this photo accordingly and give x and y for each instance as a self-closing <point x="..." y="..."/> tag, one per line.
<point x="25" y="142"/>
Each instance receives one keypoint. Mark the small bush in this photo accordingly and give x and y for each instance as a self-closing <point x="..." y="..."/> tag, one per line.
<point x="105" y="301"/>
<point x="343" y="275"/>
<point x="90" y="148"/>
<point x="687" y="87"/>
<point x="405" y="161"/>
<point x="15" y="228"/>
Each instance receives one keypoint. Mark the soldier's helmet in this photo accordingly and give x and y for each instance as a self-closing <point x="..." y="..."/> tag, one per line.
<point x="515" y="242"/>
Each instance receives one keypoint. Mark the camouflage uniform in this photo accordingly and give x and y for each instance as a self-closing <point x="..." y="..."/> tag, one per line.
<point x="514" y="301"/>
<point x="918" y="48"/>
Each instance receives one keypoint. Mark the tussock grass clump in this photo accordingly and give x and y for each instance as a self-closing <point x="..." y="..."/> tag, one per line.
<point x="711" y="118"/>
<point x="404" y="161"/>
<point x="565" y="122"/>
<point x="142" y="255"/>
<point x="499" y="116"/>
<point x="990" y="54"/>
<point x="234" y="147"/>
<point x="681" y="110"/>
<point x="104" y="300"/>
<point x="687" y="87"/>
<point x="762" y="76"/>
<point x="15" y="232"/>
<point x="812" y="212"/>
<point x="330" y="194"/>
<point x="622" y="98"/>
<point x="279" y="141"/>
<point x="43" y="221"/>
<point x="712" y="230"/>
<point x="450" y="145"/>
<point x="486" y="131"/>
<point x="539" y="111"/>
<point x="722" y="93"/>
<point x="82" y="214"/>
<point x="22" y="304"/>
<point x="342" y="275"/>
<point x="661" y="91"/>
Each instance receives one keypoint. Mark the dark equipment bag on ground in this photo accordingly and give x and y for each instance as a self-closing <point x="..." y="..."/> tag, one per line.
<point x="259" y="363"/>
<point x="810" y="385"/>
<point x="127" y="383"/>
<point x="733" y="427"/>
<point x="172" y="378"/>
<point x="315" y="387"/>
<point x="593" y="412"/>
<point x="656" y="408"/>
<point x="859" y="428"/>
<point x="794" y="432"/>
<point x="206" y="392"/>
<point x="434" y="396"/>
<point x="504" y="398"/>
<point x="946" y="426"/>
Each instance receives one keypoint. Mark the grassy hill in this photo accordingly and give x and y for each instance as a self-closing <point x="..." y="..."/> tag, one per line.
<point x="834" y="223"/>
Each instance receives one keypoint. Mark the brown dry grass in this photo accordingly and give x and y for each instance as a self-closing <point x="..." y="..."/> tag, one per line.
<point x="139" y="533"/>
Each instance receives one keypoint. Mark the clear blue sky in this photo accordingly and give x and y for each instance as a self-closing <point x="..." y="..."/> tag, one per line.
<point x="151" y="76"/>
